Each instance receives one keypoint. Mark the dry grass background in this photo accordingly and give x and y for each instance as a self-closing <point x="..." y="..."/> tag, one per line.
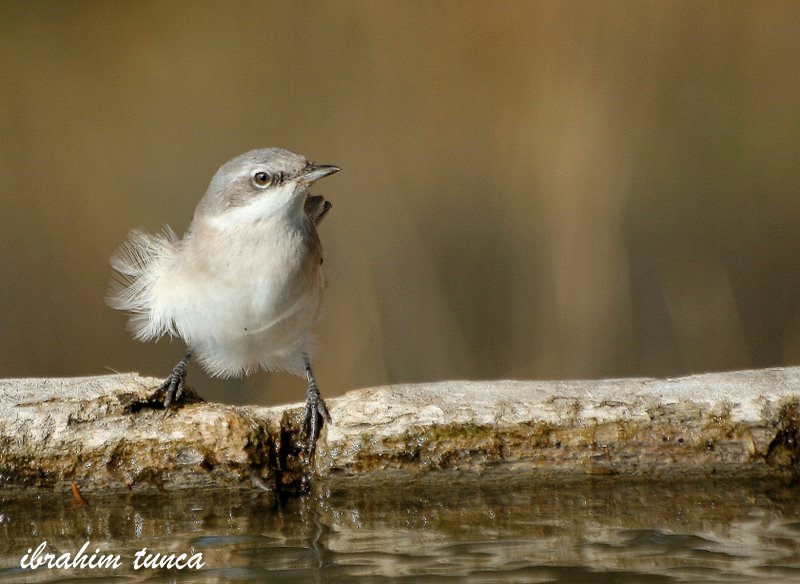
<point x="530" y="189"/>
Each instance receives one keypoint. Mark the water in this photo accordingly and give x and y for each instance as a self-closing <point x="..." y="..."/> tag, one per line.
<point x="603" y="531"/>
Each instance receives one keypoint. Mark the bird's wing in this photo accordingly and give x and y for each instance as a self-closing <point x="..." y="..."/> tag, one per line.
<point x="316" y="207"/>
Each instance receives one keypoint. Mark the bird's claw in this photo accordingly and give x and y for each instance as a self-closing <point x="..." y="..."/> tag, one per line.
<point x="316" y="414"/>
<point x="171" y="391"/>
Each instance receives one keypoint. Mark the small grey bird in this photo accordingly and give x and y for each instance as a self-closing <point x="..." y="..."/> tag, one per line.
<point x="243" y="287"/>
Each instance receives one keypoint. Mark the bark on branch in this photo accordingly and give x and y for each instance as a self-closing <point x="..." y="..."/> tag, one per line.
<point x="90" y="430"/>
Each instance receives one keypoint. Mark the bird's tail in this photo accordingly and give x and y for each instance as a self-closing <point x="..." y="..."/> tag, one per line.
<point x="139" y="264"/>
<point x="316" y="207"/>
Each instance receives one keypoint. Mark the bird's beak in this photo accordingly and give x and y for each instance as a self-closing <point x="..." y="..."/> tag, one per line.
<point x="314" y="172"/>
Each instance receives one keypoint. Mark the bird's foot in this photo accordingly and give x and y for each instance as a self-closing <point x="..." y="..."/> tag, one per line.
<point x="171" y="391"/>
<point x="316" y="414"/>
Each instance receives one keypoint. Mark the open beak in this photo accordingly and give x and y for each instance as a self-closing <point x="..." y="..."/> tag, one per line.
<point x="314" y="172"/>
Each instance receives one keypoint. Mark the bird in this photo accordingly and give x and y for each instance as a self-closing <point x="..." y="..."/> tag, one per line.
<point x="243" y="287"/>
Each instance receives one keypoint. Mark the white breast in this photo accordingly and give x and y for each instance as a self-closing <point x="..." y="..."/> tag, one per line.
<point x="246" y="300"/>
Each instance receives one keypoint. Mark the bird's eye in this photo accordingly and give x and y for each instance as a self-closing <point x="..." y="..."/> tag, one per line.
<point x="262" y="179"/>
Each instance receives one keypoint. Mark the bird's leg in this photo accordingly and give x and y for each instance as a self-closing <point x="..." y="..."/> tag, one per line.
<point x="171" y="390"/>
<point x="316" y="413"/>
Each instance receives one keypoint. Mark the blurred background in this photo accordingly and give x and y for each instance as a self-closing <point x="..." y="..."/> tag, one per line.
<point x="529" y="189"/>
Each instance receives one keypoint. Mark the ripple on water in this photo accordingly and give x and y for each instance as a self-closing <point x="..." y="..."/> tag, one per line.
<point x="604" y="531"/>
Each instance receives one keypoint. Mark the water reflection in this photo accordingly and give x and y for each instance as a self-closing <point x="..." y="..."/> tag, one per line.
<point x="589" y="532"/>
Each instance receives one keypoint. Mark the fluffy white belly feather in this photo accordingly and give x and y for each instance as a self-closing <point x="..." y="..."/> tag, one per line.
<point x="255" y="309"/>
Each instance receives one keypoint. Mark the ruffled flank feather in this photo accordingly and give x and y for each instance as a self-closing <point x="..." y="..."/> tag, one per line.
<point x="140" y="263"/>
